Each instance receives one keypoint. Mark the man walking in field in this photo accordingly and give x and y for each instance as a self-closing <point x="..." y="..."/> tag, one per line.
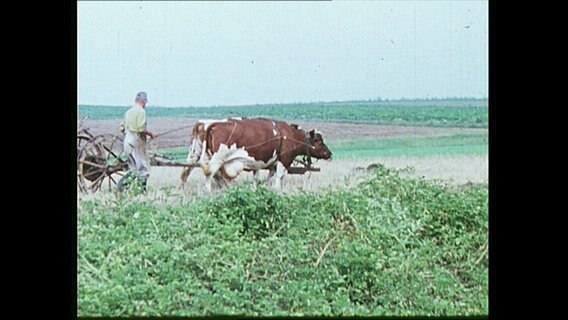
<point x="134" y="127"/>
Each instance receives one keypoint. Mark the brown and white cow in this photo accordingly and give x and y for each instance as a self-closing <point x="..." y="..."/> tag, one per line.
<point x="253" y="144"/>
<point x="196" y="138"/>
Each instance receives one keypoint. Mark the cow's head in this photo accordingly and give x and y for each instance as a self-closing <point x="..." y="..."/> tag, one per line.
<point x="318" y="148"/>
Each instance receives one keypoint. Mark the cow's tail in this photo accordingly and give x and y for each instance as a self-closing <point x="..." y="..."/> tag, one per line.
<point x="209" y="139"/>
<point x="206" y="149"/>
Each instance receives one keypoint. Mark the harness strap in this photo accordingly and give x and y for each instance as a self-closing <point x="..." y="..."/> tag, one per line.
<point x="262" y="143"/>
<point x="232" y="131"/>
<point x="279" y="134"/>
<point x="308" y="157"/>
<point x="279" y="137"/>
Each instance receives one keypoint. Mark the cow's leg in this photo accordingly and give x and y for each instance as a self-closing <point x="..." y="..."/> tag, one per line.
<point x="256" y="174"/>
<point x="219" y="181"/>
<point x="184" y="175"/>
<point x="213" y="175"/>
<point x="280" y="173"/>
<point x="192" y="159"/>
<point x="212" y="167"/>
<point x="204" y="159"/>
<point x="208" y="181"/>
<point x="271" y="172"/>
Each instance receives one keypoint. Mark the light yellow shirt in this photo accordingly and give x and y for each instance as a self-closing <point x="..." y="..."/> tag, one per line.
<point x="135" y="119"/>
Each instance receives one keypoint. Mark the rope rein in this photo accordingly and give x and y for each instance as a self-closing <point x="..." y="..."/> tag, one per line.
<point x="231" y="135"/>
<point x="173" y="130"/>
<point x="307" y="157"/>
<point x="277" y="138"/>
<point x="262" y="143"/>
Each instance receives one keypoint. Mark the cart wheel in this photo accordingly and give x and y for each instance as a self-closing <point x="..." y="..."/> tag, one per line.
<point x="81" y="142"/>
<point x="101" y="161"/>
<point x="83" y="136"/>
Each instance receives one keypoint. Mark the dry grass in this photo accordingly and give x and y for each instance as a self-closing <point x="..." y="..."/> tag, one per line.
<point x="164" y="182"/>
<point x="455" y="170"/>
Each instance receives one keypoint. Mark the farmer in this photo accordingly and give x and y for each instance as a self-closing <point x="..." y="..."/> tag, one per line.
<point x="134" y="127"/>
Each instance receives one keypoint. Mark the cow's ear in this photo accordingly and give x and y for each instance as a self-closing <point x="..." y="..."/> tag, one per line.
<point x="312" y="134"/>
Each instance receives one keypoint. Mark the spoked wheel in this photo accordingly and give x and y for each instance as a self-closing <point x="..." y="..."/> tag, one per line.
<point x="81" y="142"/>
<point x="83" y="136"/>
<point x="101" y="162"/>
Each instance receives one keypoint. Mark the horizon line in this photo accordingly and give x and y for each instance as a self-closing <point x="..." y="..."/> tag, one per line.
<point x="298" y="103"/>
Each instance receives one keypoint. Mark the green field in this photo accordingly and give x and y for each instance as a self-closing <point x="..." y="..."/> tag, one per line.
<point x="471" y="113"/>
<point x="411" y="146"/>
<point x="389" y="246"/>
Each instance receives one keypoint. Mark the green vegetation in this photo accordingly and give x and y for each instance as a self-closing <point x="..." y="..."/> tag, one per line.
<point x="390" y="246"/>
<point x="438" y="113"/>
<point x="411" y="146"/>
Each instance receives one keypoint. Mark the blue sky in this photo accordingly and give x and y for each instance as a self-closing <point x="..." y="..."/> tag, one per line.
<point x="234" y="53"/>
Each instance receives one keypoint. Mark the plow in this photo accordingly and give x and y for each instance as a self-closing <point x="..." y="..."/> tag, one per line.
<point x="102" y="162"/>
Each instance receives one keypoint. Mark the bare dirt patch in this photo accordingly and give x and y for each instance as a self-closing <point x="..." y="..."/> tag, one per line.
<point x="331" y="131"/>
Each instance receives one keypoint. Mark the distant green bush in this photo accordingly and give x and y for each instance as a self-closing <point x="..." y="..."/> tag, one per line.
<point x="435" y="113"/>
<point x="390" y="246"/>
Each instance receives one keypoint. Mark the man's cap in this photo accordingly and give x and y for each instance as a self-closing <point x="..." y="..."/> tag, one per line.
<point x="141" y="96"/>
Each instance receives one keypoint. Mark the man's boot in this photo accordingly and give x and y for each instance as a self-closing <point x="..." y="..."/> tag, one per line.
<point x="124" y="181"/>
<point x="143" y="184"/>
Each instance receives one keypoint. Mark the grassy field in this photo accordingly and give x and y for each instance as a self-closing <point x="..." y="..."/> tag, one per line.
<point x="411" y="146"/>
<point x="390" y="245"/>
<point x="472" y="113"/>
